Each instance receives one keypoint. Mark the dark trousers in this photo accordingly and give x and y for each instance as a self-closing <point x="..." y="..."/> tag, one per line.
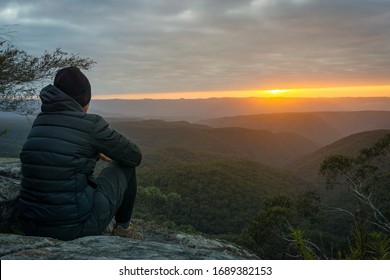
<point x="114" y="197"/>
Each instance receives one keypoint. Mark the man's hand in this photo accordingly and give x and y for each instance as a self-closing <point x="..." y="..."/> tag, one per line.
<point x="104" y="157"/>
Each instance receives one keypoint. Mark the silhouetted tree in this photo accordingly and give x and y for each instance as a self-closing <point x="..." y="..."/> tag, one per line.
<point x="367" y="177"/>
<point x="271" y="233"/>
<point x="21" y="73"/>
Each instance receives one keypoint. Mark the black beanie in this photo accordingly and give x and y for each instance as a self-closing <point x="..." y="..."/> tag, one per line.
<point x="74" y="83"/>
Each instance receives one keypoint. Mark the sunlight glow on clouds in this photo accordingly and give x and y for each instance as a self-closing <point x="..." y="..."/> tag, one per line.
<point x="330" y="92"/>
<point x="146" y="46"/>
<point x="14" y="11"/>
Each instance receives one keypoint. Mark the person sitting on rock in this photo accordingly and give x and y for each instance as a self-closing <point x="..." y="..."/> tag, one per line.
<point x="59" y="196"/>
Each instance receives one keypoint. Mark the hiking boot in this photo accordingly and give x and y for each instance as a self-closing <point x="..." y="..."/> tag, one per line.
<point x="107" y="230"/>
<point x="131" y="232"/>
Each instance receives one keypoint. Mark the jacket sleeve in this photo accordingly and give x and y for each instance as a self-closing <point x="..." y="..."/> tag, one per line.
<point x="114" y="145"/>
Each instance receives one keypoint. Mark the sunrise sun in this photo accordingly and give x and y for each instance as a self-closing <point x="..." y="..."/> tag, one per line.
<point x="276" y="91"/>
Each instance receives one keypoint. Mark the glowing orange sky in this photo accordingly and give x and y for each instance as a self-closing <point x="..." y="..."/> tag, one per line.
<point x="355" y="91"/>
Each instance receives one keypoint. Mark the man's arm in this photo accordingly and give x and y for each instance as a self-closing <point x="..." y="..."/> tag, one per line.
<point x="114" y="145"/>
<point x="104" y="157"/>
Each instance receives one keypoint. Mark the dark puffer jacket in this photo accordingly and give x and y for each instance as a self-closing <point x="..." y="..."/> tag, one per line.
<point x="59" y="156"/>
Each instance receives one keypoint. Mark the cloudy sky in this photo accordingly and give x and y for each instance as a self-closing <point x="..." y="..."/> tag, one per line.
<point x="150" y="46"/>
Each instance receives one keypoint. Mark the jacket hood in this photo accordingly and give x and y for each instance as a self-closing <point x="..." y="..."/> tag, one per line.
<point x="53" y="100"/>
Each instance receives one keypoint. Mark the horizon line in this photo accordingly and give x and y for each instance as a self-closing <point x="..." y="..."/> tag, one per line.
<point x="238" y="97"/>
<point x="382" y="91"/>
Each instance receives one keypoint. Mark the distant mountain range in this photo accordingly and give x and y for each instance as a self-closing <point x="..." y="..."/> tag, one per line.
<point x="273" y="139"/>
<point x="199" y="109"/>
<point x="194" y="110"/>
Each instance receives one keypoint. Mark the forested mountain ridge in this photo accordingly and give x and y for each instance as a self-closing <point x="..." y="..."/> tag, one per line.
<point x="154" y="135"/>
<point x="259" y="145"/>
<point x="320" y="127"/>
<point x="308" y="166"/>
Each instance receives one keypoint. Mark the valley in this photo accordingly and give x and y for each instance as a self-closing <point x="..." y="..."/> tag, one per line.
<point x="214" y="175"/>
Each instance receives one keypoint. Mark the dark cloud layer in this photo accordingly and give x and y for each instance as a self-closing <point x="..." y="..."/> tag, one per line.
<point x="201" y="45"/>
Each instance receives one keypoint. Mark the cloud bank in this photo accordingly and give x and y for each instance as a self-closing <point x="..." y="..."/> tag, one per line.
<point x="205" y="45"/>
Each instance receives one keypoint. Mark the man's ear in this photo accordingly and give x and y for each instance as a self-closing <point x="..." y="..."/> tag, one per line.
<point x="85" y="108"/>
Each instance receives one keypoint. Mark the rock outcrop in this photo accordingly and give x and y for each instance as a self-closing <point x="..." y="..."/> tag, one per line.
<point x="9" y="192"/>
<point x="10" y="167"/>
<point x="160" y="243"/>
<point x="157" y="245"/>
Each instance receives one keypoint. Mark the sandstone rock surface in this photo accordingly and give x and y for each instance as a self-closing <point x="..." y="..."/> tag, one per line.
<point x="176" y="246"/>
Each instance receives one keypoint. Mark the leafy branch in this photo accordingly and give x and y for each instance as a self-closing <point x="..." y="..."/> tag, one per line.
<point x="365" y="176"/>
<point x="21" y="74"/>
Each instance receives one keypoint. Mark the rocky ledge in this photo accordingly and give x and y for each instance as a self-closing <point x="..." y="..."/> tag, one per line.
<point x="160" y="243"/>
